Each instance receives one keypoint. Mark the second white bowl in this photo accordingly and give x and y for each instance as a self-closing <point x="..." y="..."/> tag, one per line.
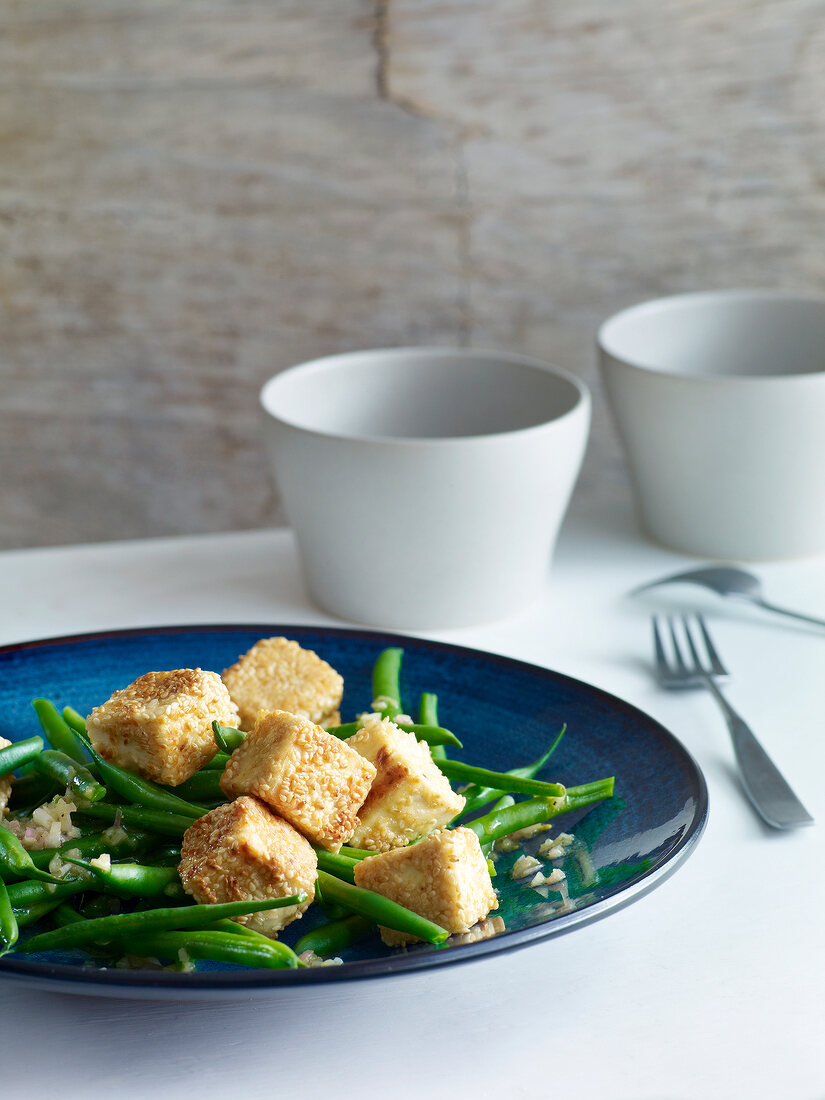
<point x="719" y="400"/>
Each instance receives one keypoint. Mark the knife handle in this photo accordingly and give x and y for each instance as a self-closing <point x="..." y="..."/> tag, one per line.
<point x="764" y="784"/>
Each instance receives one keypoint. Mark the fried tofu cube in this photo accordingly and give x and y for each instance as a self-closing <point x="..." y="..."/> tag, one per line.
<point x="409" y="796"/>
<point x="306" y="775"/>
<point x="160" y="726"/>
<point x="278" y="674"/>
<point x="5" y="782"/>
<point x="241" y="851"/>
<point x="443" y="877"/>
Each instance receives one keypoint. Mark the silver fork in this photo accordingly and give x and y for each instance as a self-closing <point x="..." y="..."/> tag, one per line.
<point x="764" y="785"/>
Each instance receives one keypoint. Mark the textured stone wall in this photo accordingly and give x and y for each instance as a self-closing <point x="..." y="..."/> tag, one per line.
<point x="195" y="195"/>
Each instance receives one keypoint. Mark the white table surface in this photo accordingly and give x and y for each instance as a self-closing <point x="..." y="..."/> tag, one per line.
<point x="711" y="986"/>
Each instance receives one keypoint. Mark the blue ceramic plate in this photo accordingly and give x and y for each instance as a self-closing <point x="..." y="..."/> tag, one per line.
<point x="506" y="712"/>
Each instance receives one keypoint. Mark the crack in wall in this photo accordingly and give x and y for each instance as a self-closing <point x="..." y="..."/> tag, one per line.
<point x="383" y="82"/>
<point x="461" y="184"/>
<point x="464" y="208"/>
<point x="380" y="40"/>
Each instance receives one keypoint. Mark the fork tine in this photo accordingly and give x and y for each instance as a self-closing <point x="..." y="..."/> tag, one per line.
<point x="694" y="652"/>
<point x="682" y="660"/>
<point x="716" y="663"/>
<point x="659" y="649"/>
<point x="677" y="652"/>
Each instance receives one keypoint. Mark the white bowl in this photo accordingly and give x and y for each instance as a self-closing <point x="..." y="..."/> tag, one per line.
<point x="426" y="486"/>
<point x="719" y="400"/>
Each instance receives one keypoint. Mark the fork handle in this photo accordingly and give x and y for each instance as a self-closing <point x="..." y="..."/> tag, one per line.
<point x="764" y="784"/>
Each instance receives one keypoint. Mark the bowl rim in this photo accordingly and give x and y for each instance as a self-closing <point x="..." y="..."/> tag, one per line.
<point x="581" y="406"/>
<point x="676" y="301"/>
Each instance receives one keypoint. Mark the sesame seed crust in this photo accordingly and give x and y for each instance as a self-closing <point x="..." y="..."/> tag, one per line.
<point x="443" y="877"/>
<point x="279" y="674"/>
<point x="312" y="779"/>
<point x="409" y="797"/>
<point x="241" y="851"/>
<point x="160" y="726"/>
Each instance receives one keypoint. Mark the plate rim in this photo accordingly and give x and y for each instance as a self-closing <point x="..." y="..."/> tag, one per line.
<point x="113" y="982"/>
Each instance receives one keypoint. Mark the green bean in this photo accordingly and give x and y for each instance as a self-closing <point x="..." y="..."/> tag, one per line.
<point x="380" y="910"/>
<point x="143" y="792"/>
<point x="21" y="752"/>
<point x="106" y="929"/>
<point x="66" y="771"/>
<point x="74" y="720"/>
<point x="154" y="821"/>
<point x="237" y="929"/>
<point x="332" y="909"/>
<point x="26" y="894"/>
<point x="345" y="731"/>
<point x="386" y="682"/>
<point x="433" y="735"/>
<point x="533" y="811"/>
<point x="585" y="794"/>
<point x="476" y="798"/>
<point x="502" y="804"/>
<point x="8" y="922"/>
<point x="218" y="762"/>
<point x="16" y="860"/>
<point x="58" y="732"/>
<point x="134" y="880"/>
<point x="31" y="914"/>
<point x="438" y="752"/>
<point x="167" y="856"/>
<point x="100" y="905"/>
<point x="30" y="791"/>
<point x="355" y="853"/>
<point x="479" y="796"/>
<point x="428" y="708"/>
<point x="335" y="864"/>
<point x="428" y="716"/>
<point x="219" y="946"/>
<point x="334" y="936"/>
<point x="203" y="786"/>
<point x="509" y="819"/>
<point x="227" y="738"/>
<point x="501" y="782"/>
<point x="64" y="914"/>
